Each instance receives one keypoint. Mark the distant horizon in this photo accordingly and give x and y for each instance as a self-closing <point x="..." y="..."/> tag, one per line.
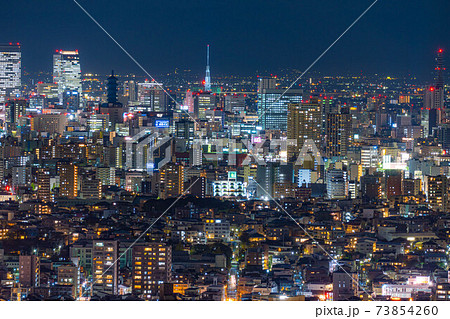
<point x="254" y="35"/>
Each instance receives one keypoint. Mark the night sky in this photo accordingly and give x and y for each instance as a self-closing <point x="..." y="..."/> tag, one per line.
<point x="396" y="37"/>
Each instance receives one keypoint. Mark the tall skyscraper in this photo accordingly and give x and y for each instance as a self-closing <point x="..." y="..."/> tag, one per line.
<point x="43" y="180"/>
<point x="152" y="96"/>
<point x="67" y="73"/>
<point x="338" y="133"/>
<point x="273" y="106"/>
<point x="208" y="74"/>
<point x="433" y="111"/>
<point x="10" y="71"/>
<point x="304" y="122"/>
<point x="152" y="265"/>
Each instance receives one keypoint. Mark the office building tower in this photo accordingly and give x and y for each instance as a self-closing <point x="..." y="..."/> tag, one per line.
<point x="152" y="96"/>
<point x="48" y="90"/>
<point x="270" y="174"/>
<point x="235" y="103"/>
<point x="107" y="175"/>
<point x="188" y="103"/>
<point x="67" y="73"/>
<point x="337" y="184"/>
<point x="15" y="109"/>
<point x="203" y="102"/>
<point x="130" y="91"/>
<point x="43" y="181"/>
<point x="370" y="187"/>
<point x="68" y="180"/>
<point x="171" y="180"/>
<point x="338" y="133"/>
<point x="437" y="192"/>
<point x="369" y="156"/>
<point x="10" y="71"/>
<point x="433" y="111"/>
<point x="304" y="122"/>
<point x="91" y="187"/>
<point x="151" y="267"/>
<point x="50" y="123"/>
<point x="104" y="267"/>
<point x="71" y="100"/>
<point x="273" y="104"/>
<point x="29" y="271"/>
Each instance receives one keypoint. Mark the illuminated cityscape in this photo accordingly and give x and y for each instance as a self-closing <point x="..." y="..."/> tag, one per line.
<point x="188" y="185"/>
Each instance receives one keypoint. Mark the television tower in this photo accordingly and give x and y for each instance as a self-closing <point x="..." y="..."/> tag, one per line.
<point x="208" y="75"/>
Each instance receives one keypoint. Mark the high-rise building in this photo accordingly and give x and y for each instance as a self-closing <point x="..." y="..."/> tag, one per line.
<point x="433" y="111"/>
<point x="338" y="133"/>
<point x="273" y="104"/>
<point x="171" y="178"/>
<point x="437" y="192"/>
<point x="235" y="103"/>
<point x="105" y="267"/>
<point x="50" y="123"/>
<point x="152" y="96"/>
<point x="68" y="180"/>
<point x="203" y="102"/>
<point x="304" y="122"/>
<point x="43" y="181"/>
<point x="188" y="102"/>
<point x="337" y="184"/>
<point x="394" y="182"/>
<point x="15" y="109"/>
<point x="29" y="271"/>
<point x="10" y="71"/>
<point x="107" y="175"/>
<point x="369" y="156"/>
<point x="67" y="73"/>
<point x="152" y="266"/>
<point x="91" y="187"/>
<point x="49" y="90"/>
<point x="69" y="275"/>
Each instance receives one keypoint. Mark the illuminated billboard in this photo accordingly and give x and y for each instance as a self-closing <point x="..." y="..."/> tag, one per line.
<point x="162" y="123"/>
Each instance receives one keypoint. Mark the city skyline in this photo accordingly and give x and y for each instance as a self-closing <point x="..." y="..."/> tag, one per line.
<point x="327" y="180"/>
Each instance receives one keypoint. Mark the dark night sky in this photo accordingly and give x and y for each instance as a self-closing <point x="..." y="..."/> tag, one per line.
<point x="395" y="37"/>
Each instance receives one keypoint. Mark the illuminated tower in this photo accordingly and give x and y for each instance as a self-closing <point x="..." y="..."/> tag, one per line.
<point x="208" y="75"/>
<point x="67" y="73"/>
<point x="10" y="71"/>
<point x="433" y="113"/>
